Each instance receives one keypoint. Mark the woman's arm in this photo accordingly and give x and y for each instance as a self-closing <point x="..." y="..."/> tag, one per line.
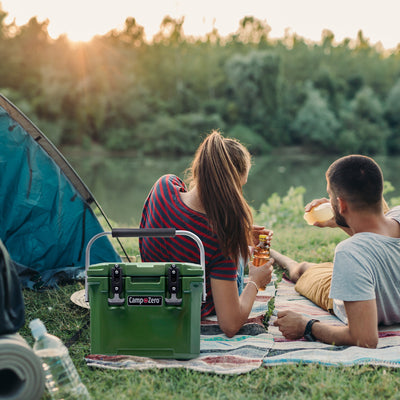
<point x="232" y="311"/>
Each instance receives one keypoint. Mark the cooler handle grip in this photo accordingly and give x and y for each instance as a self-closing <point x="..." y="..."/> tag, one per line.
<point x="160" y="232"/>
<point x="146" y="232"/>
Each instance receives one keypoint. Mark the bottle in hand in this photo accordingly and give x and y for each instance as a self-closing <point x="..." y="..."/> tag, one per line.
<point x="261" y="253"/>
<point x="320" y="213"/>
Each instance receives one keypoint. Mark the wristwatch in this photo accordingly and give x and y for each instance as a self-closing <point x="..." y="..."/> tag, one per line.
<point x="308" y="331"/>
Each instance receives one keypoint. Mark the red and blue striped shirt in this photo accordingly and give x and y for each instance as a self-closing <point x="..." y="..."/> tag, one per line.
<point x="164" y="208"/>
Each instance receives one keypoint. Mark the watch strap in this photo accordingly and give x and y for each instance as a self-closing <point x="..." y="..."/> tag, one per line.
<point x="308" y="331"/>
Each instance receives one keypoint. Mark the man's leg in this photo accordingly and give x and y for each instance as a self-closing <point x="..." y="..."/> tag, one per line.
<point x="294" y="268"/>
<point x="312" y="280"/>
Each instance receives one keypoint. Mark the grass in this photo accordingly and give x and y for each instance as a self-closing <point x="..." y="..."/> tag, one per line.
<point x="70" y="322"/>
<point x="64" y="319"/>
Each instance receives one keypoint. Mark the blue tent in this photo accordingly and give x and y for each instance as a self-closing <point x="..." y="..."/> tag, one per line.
<point x="46" y="215"/>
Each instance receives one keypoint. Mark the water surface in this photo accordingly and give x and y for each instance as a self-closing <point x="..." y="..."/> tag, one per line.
<point x="121" y="184"/>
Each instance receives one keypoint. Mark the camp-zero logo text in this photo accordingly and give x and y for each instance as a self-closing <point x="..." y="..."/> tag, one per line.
<point x="145" y="300"/>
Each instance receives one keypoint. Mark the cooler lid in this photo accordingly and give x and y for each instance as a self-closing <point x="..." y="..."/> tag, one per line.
<point x="145" y="269"/>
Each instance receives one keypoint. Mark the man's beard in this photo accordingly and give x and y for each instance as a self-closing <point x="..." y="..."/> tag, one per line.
<point x="340" y="220"/>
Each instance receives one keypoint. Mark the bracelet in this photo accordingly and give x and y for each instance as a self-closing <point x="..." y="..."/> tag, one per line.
<point x="255" y="284"/>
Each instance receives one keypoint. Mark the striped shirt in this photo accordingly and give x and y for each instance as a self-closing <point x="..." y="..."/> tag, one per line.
<point x="165" y="209"/>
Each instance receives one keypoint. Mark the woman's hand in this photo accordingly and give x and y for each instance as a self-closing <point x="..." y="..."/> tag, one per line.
<point x="232" y="311"/>
<point x="261" y="275"/>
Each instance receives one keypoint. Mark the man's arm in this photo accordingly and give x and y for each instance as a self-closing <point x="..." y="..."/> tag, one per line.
<point x="362" y="329"/>
<point x="330" y="223"/>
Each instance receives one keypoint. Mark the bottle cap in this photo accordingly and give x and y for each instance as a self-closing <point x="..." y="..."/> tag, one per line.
<point x="37" y="328"/>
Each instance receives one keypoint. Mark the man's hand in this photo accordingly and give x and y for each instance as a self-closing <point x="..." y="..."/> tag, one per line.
<point x="361" y="331"/>
<point x="330" y="223"/>
<point x="260" y="230"/>
<point x="315" y="203"/>
<point x="291" y="324"/>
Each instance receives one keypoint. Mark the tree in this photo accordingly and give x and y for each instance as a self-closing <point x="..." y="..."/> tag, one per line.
<point x="392" y="104"/>
<point x="392" y="108"/>
<point x="171" y="31"/>
<point x="33" y="42"/>
<point x="252" y="31"/>
<point x="365" y="130"/>
<point x="3" y="27"/>
<point x="327" y="39"/>
<point x="362" y="43"/>
<point x="7" y="77"/>
<point x="255" y="82"/>
<point x="330" y="86"/>
<point x="132" y="35"/>
<point x="315" y="123"/>
<point x="110" y="88"/>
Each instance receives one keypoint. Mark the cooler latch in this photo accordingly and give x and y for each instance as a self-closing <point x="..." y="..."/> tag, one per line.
<point x="117" y="285"/>
<point x="173" y="286"/>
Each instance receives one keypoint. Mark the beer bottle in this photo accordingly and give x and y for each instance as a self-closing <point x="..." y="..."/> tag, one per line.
<point x="261" y="253"/>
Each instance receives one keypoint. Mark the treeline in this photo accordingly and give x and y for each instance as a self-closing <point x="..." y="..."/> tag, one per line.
<point x="158" y="97"/>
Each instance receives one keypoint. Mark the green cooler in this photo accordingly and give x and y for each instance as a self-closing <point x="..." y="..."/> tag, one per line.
<point x="145" y="309"/>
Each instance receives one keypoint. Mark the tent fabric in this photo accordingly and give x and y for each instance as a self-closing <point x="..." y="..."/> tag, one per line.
<point x="46" y="219"/>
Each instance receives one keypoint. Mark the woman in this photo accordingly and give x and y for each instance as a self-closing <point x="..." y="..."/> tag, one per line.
<point x="214" y="209"/>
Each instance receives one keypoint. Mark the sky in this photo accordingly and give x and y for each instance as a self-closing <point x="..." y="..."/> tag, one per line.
<point x="82" y="19"/>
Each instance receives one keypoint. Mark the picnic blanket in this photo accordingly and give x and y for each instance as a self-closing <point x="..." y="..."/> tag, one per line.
<point x="218" y="354"/>
<point x="300" y="351"/>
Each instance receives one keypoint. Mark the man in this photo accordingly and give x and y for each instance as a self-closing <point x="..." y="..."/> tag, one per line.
<point x="365" y="274"/>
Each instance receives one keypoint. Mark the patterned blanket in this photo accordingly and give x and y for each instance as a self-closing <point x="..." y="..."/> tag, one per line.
<point x="300" y="351"/>
<point x="253" y="346"/>
<point x="218" y="354"/>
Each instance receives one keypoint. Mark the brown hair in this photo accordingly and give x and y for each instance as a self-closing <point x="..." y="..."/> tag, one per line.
<point x="217" y="170"/>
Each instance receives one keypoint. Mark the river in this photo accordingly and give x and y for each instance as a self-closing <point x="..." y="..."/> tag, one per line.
<point x="121" y="184"/>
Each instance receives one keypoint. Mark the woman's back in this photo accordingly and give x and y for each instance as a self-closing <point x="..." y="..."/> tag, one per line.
<point x="215" y="210"/>
<point x="164" y="208"/>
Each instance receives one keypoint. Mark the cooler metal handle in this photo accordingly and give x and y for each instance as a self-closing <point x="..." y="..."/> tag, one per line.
<point x="147" y="232"/>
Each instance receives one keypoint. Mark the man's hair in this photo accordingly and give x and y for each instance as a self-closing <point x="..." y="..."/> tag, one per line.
<point x="217" y="169"/>
<point x="357" y="179"/>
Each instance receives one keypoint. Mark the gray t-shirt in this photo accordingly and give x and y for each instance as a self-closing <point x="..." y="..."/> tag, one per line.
<point x="366" y="267"/>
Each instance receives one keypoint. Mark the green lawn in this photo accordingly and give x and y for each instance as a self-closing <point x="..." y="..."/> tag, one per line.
<point x="65" y="319"/>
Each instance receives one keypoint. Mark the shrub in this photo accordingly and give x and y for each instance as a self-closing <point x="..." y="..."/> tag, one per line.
<point x="253" y="141"/>
<point x="287" y="210"/>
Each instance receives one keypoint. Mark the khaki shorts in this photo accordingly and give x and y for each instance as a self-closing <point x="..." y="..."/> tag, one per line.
<point x="315" y="284"/>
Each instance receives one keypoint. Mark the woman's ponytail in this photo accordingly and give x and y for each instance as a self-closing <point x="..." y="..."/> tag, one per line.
<point x="218" y="170"/>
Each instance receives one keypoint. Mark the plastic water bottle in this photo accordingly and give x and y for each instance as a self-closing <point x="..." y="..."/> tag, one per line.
<point x="61" y="377"/>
